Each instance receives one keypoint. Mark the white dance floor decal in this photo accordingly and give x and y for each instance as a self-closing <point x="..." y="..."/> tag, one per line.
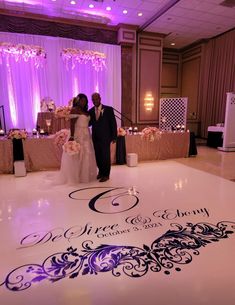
<point x="159" y="233"/>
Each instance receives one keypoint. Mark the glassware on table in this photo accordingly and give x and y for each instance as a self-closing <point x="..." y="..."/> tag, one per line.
<point x="48" y="123"/>
<point x="34" y="132"/>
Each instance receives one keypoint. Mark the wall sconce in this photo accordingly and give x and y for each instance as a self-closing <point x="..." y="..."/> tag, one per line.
<point x="148" y="102"/>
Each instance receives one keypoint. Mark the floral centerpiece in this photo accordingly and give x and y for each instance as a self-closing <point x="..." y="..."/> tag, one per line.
<point x="151" y="133"/>
<point x="47" y="104"/>
<point x="121" y="132"/>
<point x="71" y="147"/>
<point x="61" y="137"/>
<point x="17" y="134"/>
<point x="63" y="112"/>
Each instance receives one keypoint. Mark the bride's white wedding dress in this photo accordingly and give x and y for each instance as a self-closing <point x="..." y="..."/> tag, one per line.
<point x="81" y="167"/>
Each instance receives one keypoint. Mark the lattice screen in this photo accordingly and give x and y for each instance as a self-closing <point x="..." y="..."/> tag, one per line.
<point x="173" y="112"/>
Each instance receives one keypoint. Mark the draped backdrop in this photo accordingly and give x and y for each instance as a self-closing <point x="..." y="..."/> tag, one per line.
<point x="23" y="85"/>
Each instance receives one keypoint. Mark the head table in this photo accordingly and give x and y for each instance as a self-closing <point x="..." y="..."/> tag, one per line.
<point x="41" y="153"/>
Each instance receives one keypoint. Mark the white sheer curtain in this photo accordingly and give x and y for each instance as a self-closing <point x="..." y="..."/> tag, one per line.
<point x="23" y="85"/>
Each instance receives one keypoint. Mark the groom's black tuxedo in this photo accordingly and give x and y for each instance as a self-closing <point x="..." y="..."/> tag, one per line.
<point x="104" y="131"/>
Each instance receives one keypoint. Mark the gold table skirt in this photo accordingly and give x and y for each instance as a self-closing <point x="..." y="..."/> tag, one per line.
<point x="43" y="154"/>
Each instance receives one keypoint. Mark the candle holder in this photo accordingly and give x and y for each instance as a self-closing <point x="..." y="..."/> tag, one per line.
<point x="178" y="127"/>
<point x="135" y="130"/>
<point x="41" y="132"/>
<point x="130" y="130"/>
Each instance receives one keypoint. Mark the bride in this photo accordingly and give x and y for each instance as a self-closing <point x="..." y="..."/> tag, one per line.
<point x="80" y="167"/>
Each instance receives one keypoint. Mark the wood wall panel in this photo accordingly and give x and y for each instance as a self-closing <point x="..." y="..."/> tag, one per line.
<point x="170" y="75"/>
<point x="127" y="80"/>
<point x="149" y="81"/>
<point x="190" y="85"/>
<point x="149" y="66"/>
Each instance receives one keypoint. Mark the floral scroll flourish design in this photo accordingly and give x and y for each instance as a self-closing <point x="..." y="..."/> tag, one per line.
<point x="174" y="248"/>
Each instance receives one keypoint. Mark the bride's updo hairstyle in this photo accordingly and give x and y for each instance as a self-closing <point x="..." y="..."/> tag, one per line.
<point x="84" y="97"/>
<point x="75" y="102"/>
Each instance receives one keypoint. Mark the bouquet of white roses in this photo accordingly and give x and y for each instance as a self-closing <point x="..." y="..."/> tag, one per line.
<point x="17" y="134"/>
<point x="151" y="133"/>
<point x="61" y="137"/>
<point x="71" y="147"/>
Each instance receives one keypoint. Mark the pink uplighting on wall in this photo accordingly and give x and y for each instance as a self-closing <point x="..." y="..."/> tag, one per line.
<point x="12" y="105"/>
<point x="36" y="108"/>
<point x="75" y="87"/>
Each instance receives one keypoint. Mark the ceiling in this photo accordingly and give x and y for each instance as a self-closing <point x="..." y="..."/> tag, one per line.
<point x="183" y="22"/>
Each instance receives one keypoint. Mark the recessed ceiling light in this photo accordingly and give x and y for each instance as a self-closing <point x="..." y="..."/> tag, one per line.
<point x="72" y="2"/>
<point x="108" y="8"/>
<point x="140" y="14"/>
<point x="173" y="44"/>
<point x="91" y="5"/>
<point x="124" y="11"/>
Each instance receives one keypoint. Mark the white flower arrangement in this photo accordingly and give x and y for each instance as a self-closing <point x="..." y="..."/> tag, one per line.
<point x="61" y="137"/>
<point x="51" y="105"/>
<point x="47" y="104"/>
<point x="83" y="56"/>
<point x="63" y="112"/>
<point x="151" y="134"/>
<point x="71" y="147"/>
<point x="17" y="134"/>
<point x="121" y="132"/>
<point x="23" y="51"/>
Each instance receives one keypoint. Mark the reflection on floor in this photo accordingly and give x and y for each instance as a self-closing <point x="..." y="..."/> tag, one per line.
<point x="213" y="161"/>
<point x="159" y="233"/>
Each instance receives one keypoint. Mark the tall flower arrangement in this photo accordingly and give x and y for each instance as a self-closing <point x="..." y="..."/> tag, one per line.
<point x="46" y="104"/>
<point x="22" y="52"/>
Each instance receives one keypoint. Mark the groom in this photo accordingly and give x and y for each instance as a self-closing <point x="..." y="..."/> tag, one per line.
<point x="104" y="131"/>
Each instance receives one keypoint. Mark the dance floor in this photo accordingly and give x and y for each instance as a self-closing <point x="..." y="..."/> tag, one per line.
<point x="159" y="233"/>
